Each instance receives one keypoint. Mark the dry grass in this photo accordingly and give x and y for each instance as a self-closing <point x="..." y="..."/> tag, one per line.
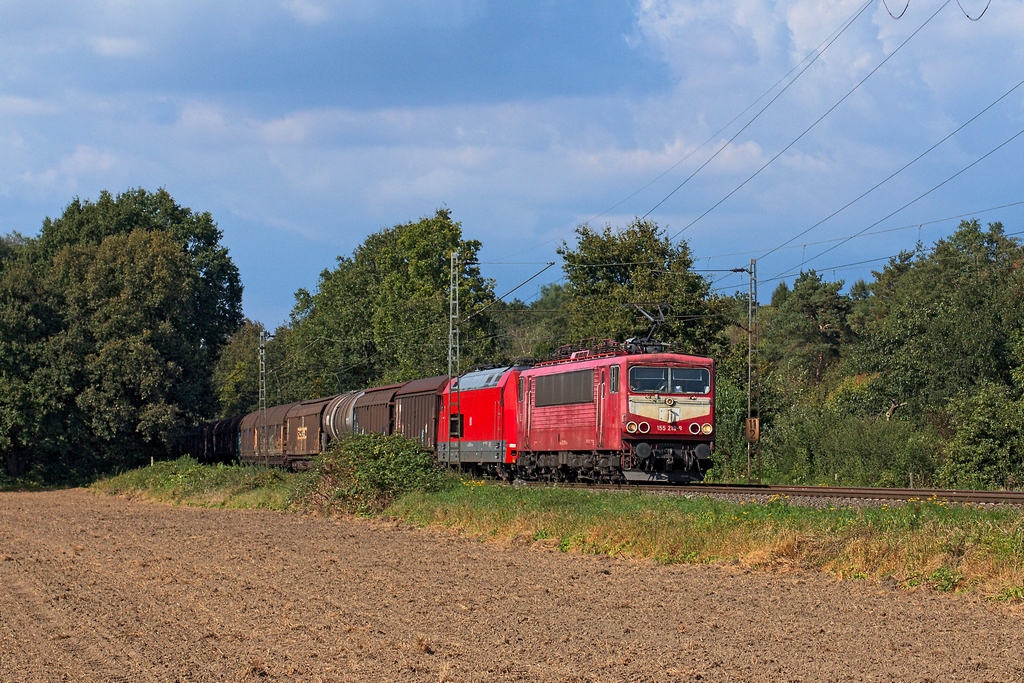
<point x="948" y="548"/>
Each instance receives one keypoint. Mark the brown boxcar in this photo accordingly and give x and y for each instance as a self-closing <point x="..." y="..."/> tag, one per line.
<point x="277" y="435"/>
<point x="339" y="415"/>
<point x="304" y="434"/>
<point x="223" y="441"/>
<point x="374" y="410"/>
<point x="417" y="405"/>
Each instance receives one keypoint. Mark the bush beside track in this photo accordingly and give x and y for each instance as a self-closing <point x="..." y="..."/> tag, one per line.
<point x="922" y="543"/>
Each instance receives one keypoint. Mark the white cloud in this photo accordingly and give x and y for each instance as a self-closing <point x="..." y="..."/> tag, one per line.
<point x="116" y="47"/>
<point x="519" y="172"/>
<point x="25" y="106"/>
<point x="306" y="12"/>
<point x="70" y="170"/>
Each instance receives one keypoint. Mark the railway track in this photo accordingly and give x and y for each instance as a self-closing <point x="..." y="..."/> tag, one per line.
<point x="759" y="491"/>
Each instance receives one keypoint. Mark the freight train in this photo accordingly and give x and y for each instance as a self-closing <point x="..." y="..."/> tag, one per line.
<point x="614" y="412"/>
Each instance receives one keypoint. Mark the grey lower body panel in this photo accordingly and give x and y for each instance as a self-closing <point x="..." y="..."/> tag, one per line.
<point x="453" y="452"/>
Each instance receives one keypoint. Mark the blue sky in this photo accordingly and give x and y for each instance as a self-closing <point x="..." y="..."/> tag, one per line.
<point x="304" y="125"/>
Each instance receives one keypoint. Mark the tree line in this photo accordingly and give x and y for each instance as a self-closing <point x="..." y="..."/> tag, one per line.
<point x="121" y="327"/>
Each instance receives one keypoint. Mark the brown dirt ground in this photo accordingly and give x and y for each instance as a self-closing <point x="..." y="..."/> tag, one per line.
<point x="94" y="588"/>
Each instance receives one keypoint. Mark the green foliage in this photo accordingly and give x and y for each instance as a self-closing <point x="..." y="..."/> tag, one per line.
<point x="818" y="444"/>
<point x="364" y="473"/>
<point x="381" y="315"/>
<point x="217" y="295"/>
<point x="236" y="374"/>
<point x="537" y="329"/>
<point x="608" y="270"/>
<point x="944" y="322"/>
<point x="809" y="326"/>
<point x="987" y="448"/>
<point x="110" y="322"/>
<point x="917" y="371"/>
<point x="185" y="481"/>
<point x="730" y="456"/>
<point x="910" y="543"/>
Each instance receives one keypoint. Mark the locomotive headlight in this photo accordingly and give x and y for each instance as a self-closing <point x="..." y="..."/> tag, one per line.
<point x="631" y="427"/>
<point x="707" y="428"/>
<point x="644" y="427"/>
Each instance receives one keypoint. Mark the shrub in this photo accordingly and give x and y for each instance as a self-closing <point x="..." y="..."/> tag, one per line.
<point x="987" y="449"/>
<point x="363" y="473"/>
<point x="813" y="445"/>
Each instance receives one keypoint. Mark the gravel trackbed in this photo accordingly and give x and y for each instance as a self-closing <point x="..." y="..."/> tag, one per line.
<point x="95" y="588"/>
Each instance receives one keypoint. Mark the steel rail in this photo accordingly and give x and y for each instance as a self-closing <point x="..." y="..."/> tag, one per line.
<point x="839" y="492"/>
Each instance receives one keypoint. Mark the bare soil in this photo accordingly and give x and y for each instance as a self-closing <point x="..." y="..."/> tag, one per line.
<point x="94" y="588"/>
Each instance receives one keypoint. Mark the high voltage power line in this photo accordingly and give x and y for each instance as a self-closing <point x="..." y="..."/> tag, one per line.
<point x="758" y="114"/>
<point x="760" y="253"/>
<point x="911" y="202"/>
<point x="894" y="173"/>
<point x="809" y="128"/>
<point x="815" y="53"/>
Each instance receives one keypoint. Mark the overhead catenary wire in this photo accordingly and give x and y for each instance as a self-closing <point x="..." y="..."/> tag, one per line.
<point x="816" y="52"/>
<point x="977" y="17"/>
<point x="896" y="172"/>
<point x="761" y="253"/>
<point x="758" y="114"/>
<point x="813" y="125"/>
<point x="905" y="7"/>
<point x="496" y="300"/>
<point x="911" y="202"/>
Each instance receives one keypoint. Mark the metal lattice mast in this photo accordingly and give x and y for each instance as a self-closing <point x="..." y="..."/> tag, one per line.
<point x="753" y="378"/>
<point x="261" y="438"/>
<point x="756" y="366"/>
<point x="453" y="315"/>
<point x="454" y="357"/>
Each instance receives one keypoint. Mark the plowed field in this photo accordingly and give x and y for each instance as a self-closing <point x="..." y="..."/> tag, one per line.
<point x="94" y="588"/>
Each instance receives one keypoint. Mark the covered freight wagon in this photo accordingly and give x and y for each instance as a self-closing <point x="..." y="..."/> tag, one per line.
<point x="276" y="436"/>
<point x="374" y="410"/>
<point x="305" y="435"/>
<point x="417" y="405"/>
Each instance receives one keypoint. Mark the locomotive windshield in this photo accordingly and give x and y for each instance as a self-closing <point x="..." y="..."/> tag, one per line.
<point x="669" y="380"/>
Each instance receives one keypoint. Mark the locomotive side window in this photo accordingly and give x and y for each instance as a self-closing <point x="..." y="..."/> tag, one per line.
<point x="455" y="429"/>
<point x="522" y="382"/>
<point x="565" y="388"/>
<point x="614" y="382"/>
<point x="669" y="380"/>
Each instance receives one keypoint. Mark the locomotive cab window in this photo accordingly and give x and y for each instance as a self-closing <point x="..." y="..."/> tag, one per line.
<point x="614" y="380"/>
<point x="455" y="426"/>
<point x="669" y="380"/>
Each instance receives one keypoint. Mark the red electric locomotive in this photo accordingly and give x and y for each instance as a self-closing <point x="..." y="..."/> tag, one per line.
<point x="477" y="426"/>
<point x="638" y="417"/>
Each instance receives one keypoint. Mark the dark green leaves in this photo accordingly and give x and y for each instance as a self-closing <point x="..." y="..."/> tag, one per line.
<point x="110" y="322"/>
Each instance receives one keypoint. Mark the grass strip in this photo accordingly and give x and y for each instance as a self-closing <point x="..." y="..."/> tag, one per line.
<point x="186" y="482"/>
<point x="950" y="548"/>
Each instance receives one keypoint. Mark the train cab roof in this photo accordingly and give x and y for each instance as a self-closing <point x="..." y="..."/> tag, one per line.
<point x="481" y="379"/>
